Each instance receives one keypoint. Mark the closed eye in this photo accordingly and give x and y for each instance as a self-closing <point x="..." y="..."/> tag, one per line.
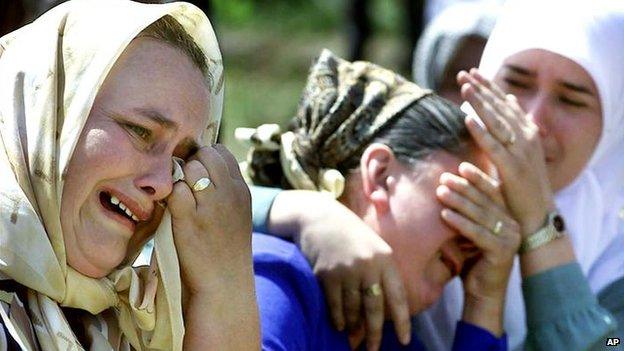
<point x="571" y="102"/>
<point x="142" y="133"/>
<point x="516" y="83"/>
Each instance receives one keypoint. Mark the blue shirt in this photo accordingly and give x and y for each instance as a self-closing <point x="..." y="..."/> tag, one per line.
<point x="294" y="315"/>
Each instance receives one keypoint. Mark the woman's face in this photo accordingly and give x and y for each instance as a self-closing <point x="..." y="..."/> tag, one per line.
<point x="561" y="98"/>
<point x="153" y="104"/>
<point x="425" y="249"/>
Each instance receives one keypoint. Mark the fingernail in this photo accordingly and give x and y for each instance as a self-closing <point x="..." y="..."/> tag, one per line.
<point x="406" y="338"/>
<point x="474" y="122"/>
<point x="445" y="212"/>
<point x="444" y="177"/>
<point x="464" y="166"/>
<point x="441" y="190"/>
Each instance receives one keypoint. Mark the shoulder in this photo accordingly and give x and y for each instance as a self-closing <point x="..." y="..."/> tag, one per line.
<point x="282" y="263"/>
<point x="293" y="313"/>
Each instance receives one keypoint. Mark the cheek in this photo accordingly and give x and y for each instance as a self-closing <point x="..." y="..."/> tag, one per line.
<point x="578" y="136"/>
<point x="93" y="161"/>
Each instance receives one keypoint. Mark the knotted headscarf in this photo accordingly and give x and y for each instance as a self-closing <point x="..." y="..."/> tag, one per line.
<point x="50" y="74"/>
<point x="343" y="107"/>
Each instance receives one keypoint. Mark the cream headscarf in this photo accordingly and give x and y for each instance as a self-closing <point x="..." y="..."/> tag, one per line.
<point x="50" y="73"/>
<point x="591" y="33"/>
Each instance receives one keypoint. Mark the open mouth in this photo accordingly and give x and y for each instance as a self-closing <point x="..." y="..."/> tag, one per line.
<point x="118" y="209"/>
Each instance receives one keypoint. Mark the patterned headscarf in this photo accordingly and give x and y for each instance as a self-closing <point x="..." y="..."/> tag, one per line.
<point x="343" y="107"/>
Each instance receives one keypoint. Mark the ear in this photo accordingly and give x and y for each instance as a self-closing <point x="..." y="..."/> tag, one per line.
<point x="375" y="167"/>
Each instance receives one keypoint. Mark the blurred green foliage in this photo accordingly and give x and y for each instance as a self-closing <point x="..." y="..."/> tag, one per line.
<point x="268" y="46"/>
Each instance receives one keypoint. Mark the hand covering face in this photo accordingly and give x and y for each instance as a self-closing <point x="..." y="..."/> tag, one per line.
<point x="50" y="74"/>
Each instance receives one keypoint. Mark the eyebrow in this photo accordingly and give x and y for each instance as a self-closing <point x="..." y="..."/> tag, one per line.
<point x="157" y="117"/>
<point x="519" y="70"/>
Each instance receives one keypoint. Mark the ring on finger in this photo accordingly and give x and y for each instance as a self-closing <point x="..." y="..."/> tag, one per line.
<point x="201" y="184"/>
<point x="497" y="227"/>
<point x="373" y="290"/>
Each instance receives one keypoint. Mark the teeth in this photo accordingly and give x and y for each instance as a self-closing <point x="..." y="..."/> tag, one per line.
<point x="115" y="201"/>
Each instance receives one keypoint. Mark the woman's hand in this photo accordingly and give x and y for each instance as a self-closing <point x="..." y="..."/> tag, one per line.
<point x="513" y="144"/>
<point x="476" y="209"/>
<point x="348" y="257"/>
<point x="212" y="233"/>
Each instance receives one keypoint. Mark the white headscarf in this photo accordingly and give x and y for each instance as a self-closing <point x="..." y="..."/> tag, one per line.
<point x="444" y="35"/>
<point x="591" y="33"/>
<point x="50" y="73"/>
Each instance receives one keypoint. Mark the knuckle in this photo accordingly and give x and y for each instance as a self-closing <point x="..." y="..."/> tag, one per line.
<point x="193" y="166"/>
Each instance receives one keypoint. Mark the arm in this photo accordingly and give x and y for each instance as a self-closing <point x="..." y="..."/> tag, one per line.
<point x="212" y="233"/>
<point x="611" y="299"/>
<point x="261" y="201"/>
<point x="292" y="309"/>
<point x="562" y="312"/>
<point x="344" y="253"/>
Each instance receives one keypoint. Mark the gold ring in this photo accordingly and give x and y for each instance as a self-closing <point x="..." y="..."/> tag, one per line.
<point x="373" y="290"/>
<point x="497" y="228"/>
<point x="201" y="184"/>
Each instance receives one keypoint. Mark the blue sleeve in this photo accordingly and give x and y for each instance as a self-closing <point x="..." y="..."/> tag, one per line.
<point x="261" y="202"/>
<point x="469" y="337"/>
<point x="562" y="312"/>
<point x="293" y="312"/>
<point x="281" y="317"/>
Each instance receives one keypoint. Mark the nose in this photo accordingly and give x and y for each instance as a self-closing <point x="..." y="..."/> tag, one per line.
<point x="156" y="180"/>
<point x="539" y="112"/>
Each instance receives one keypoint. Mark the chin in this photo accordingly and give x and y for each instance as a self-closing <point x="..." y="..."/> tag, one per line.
<point x="427" y="296"/>
<point x="98" y="263"/>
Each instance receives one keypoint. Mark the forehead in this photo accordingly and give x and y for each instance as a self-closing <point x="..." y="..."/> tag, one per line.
<point x="430" y="168"/>
<point x="152" y="75"/>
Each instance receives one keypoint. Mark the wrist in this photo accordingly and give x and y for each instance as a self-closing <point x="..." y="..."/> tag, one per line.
<point x="532" y="223"/>
<point x="485" y="312"/>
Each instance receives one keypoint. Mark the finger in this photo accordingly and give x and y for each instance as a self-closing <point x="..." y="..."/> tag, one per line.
<point x="478" y="234"/>
<point x="181" y="201"/>
<point x="396" y="302"/>
<point x="212" y="160"/>
<point x="352" y="304"/>
<point x="482" y="181"/>
<point x="497" y="98"/>
<point x="230" y="160"/>
<point x="333" y="295"/>
<point x="374" y="312"/>
<point x="488" y="83"/>
<point x="193" y="172"/>
<point x="486" y="216"/>
<point x="485" y="107"/>
<point x="466" y="188"/>
<point x="496" y="151"/>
